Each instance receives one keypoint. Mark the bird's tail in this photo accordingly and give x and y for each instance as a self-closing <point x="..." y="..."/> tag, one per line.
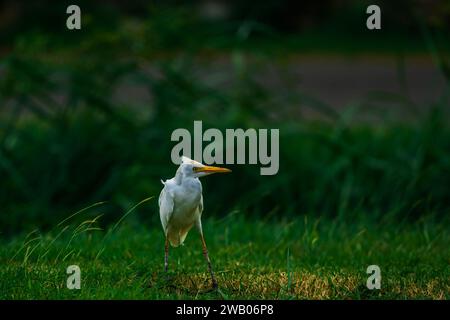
<point x="177" y="238"/>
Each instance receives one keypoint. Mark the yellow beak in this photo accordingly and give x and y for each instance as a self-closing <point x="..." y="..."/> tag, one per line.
<point x="210" y="169"/>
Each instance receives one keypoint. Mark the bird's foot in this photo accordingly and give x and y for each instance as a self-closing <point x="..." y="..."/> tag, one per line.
<point x="215" y="290"/>
<point x="214" y="287"/>
<point x="169" y="277"/>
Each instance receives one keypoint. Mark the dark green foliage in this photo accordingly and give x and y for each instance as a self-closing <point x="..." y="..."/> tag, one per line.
<point x="68" y="142"/>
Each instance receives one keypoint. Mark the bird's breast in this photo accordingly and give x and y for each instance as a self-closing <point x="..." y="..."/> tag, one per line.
<point x="186" y="201"/>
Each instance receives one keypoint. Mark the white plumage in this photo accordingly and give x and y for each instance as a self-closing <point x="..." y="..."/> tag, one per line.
<point x="181" y="205"/>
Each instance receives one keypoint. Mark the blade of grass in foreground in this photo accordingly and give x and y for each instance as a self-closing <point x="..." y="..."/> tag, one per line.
<point x="110" y="231"/>
<point x="81" y="211"/>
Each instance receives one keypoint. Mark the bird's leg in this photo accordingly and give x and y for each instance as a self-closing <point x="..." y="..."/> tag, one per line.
<point x="205" y="254"/>
<point x="166" y="255"/>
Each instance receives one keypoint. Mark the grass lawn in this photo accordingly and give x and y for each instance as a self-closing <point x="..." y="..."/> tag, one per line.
<point x="306" y="258"/>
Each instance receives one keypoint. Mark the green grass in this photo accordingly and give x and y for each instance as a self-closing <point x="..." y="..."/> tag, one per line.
<point x="304" y="258"/>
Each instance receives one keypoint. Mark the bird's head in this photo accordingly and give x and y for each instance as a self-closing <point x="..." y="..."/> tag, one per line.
<point x="192" y="168"/>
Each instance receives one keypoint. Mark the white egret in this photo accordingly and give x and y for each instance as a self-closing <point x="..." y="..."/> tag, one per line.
<point x="181" y="206"/>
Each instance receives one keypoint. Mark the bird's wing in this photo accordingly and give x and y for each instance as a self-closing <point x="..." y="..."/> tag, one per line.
<point x="165" y="206"/>
<point x="200" y="205"/>
<point x="198" y="223"/>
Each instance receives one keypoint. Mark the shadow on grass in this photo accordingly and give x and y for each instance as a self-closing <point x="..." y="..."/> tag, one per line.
<point x="184" y="284"/>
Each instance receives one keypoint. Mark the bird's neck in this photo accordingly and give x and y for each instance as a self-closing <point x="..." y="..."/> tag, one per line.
<point x="178" y="177"/>
<point x="181" y="179"/>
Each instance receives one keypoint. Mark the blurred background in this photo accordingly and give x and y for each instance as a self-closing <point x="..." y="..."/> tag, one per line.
<point x="86" y="115"/>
